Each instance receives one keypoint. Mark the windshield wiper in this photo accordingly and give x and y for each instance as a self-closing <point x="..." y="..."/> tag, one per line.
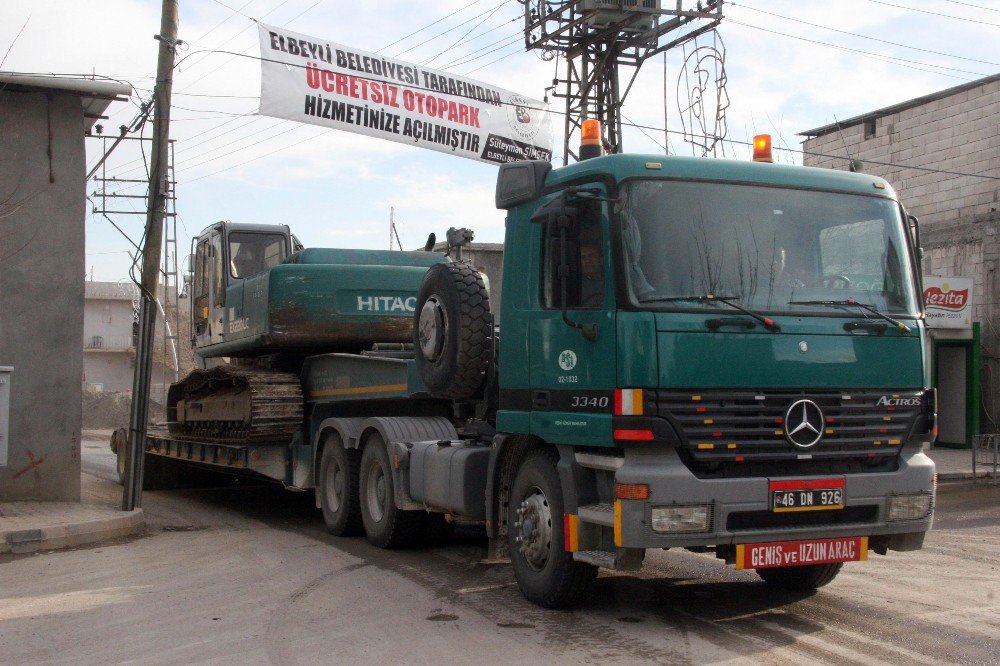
<point x="864" y="306"/>
<point x="768" y="323"/>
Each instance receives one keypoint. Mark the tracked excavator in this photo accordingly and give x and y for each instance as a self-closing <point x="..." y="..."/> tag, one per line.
<point x="261" y="304"/>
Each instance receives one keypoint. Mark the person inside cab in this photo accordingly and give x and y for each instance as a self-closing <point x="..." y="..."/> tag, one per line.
<point x="247" y="260"/>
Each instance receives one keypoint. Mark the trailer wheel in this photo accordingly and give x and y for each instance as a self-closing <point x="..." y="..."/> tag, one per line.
<point x="452" y="331"/>
<point x="385" y="525"/>
<point x="803" y="579"/>
<point x="545" y="572"/>
<point x="337" y="488"/>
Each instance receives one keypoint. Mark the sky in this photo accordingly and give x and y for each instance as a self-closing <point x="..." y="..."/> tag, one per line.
<point x="790" y="66"/>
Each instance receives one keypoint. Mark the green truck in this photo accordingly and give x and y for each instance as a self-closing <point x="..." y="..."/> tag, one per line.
<point x="728" y="357"/>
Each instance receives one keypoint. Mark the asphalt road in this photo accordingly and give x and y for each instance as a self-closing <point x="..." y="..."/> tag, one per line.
<point x="247" y="574"/>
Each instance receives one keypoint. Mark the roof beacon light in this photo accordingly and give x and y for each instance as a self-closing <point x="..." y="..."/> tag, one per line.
<point x="590" y="139"/>
<point x="762" y="148"/>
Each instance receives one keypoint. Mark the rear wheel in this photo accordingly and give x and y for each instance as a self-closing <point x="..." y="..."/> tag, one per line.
<point x="385" y="525"/>
<point x="545" y="572"/>
<point x="804" y="579"/>
<point x="338" y="488"/>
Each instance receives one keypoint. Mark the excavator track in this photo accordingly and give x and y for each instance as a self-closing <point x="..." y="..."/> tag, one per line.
<point x="236" y="405"/>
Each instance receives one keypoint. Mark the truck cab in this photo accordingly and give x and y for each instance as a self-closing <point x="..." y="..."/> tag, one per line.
<point x="726" y="355"/>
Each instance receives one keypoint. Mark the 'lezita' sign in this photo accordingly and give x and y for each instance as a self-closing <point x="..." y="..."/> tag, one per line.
<point x="331" y="85"/>
<point x="948" y="301"/>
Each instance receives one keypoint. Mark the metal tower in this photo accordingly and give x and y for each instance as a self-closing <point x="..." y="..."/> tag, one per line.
<point x="596" y="38"/>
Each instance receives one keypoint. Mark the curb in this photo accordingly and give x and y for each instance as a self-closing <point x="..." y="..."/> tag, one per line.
<point x="73" y="534"/>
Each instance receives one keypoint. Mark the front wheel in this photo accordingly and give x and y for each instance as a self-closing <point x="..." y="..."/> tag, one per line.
<point x="385" y="525"/>
<point x="802" y="579"/>
<point x="545" y="572"/>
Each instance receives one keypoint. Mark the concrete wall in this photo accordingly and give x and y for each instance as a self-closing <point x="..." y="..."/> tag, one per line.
<point x="959" y="133"/>
<point x="42" y="209"/>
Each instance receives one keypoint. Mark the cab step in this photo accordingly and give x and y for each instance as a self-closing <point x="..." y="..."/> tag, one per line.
<point x="597" y="514"/>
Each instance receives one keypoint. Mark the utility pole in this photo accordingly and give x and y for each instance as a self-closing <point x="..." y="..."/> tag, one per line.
<point x="158" y="193"/>
<point x="600" y="38"/>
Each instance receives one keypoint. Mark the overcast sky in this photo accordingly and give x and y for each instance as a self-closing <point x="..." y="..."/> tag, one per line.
<point x="790" y="66"/>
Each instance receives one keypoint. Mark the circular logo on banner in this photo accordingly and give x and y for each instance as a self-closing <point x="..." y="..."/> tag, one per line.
<point x="522" y="117"/>
<point x="804" y="424"/>
<point x="567" y="359"/>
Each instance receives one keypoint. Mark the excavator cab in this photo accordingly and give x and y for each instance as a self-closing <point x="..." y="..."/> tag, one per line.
<point x="224" y="255"/>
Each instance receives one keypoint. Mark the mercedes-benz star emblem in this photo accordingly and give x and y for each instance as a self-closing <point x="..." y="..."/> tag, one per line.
<point x="804" y="424"/>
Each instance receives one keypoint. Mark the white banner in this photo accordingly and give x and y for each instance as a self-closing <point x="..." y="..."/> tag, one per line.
<point x="313" y="81"/>
<point x="948" y="301"/>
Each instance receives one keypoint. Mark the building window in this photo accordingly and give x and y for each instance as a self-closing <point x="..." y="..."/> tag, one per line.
<point x="869" y="128"/>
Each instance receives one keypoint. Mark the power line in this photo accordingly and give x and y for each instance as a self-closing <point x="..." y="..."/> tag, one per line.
<point x="815" y="154"/>
<point x="854" y="34"/>
<point x="14" y="41"/>
<point x="903" y="62"/>
<point x="924" y="11"/>
<point x="431" y="24"/>
<point x="969" y="4"/>
<point x="445" y="32"/>
<point x="488" y="16"/>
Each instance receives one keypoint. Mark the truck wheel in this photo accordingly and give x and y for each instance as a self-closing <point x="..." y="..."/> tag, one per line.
<point x="545" y="572"/>
<point x="119" y="444"/>
<point x="451" y="334"/>
<point x="337" y="488"/>
<point x="803" y="579"/>
<point x="385" y="525"/>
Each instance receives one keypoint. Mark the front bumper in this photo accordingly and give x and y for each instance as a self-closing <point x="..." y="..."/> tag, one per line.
<point x="741" y="511"/>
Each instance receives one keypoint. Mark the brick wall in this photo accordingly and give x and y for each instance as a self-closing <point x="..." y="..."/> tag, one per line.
<point x="959" y="133"/>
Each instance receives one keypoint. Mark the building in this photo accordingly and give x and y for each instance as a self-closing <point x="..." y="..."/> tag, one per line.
<point x="108" y="340"/>
<point x="43" y="207"/>
<point x="941" y="152"/>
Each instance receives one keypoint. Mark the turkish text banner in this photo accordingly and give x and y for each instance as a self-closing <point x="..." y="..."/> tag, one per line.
<point x="332" y="85"/>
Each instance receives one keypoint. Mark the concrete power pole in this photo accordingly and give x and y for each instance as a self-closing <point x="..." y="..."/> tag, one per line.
<point x="158" y="193"/>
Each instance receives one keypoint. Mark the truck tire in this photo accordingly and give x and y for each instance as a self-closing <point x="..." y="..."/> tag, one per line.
<point x="385" y="525"/>
<point x="451" y="333"/>
<point x="545" y="572"/>
<point x="119" y="444"/>
<point x="337" y="488"/>
<point x="802" y="579"/>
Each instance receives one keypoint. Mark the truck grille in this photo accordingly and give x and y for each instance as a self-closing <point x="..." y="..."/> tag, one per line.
<point x="749" y="427"/>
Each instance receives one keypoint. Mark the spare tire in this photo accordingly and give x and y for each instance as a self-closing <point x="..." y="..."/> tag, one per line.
<point x="451" y="333"/>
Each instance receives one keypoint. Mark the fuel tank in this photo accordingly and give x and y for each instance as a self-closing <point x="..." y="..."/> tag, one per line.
<point x="322" y="300"/>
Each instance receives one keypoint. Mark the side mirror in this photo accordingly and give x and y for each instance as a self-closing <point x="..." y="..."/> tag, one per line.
<point x="520" y="182"/>
<point x="915" y="226"/>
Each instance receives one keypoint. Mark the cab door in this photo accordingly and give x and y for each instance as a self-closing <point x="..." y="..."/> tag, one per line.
<point x="572" y="354"/>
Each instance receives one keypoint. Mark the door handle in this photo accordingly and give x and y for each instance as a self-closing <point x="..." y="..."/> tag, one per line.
<point x="539" y="399"/>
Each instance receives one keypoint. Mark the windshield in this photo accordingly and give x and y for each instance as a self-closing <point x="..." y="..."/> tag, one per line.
<point x="763" y="247"/>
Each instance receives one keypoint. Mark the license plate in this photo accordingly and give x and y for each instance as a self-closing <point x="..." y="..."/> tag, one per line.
<point x="799" y="553"/>
<point x="816" y="495"/>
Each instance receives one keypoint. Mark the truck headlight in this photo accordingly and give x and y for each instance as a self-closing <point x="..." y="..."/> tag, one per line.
<point x="682" y="518"/>
<point x="910" y="507"/>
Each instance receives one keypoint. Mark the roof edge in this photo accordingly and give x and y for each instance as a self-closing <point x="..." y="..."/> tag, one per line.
<point x="896" y="108"/>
